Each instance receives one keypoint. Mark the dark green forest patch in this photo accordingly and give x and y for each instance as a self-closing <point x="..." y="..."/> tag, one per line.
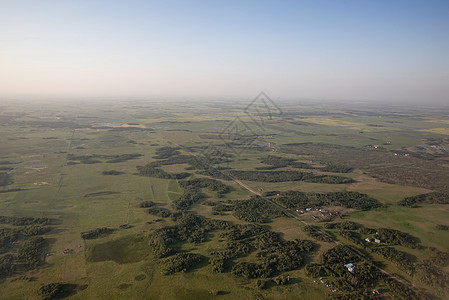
<point x="298" y="200"/>
<point x="282" y="176"/>
<point x="430" y="198"/>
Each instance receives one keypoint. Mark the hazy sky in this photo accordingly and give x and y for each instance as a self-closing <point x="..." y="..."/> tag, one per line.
<point x="335" y="49"/>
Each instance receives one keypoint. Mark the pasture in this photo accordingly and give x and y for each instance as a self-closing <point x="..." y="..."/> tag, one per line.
<point x="55" y="155"/>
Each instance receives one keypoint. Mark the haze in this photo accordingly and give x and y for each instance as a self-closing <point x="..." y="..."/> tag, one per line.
<point x="354" y="50"/>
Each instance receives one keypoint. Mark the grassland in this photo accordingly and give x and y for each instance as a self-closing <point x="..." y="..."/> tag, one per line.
<point x="383" y="145"/>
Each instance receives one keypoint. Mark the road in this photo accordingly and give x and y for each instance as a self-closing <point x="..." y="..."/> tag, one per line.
<point x="295" y="216"/>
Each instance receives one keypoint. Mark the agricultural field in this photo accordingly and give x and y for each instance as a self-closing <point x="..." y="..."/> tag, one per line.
<point x="214" y="199"/>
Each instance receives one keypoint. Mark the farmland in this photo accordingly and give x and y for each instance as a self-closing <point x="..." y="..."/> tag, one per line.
<point x="151" y="200"/>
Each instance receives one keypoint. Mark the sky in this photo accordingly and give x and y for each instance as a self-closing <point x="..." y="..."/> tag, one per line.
<point x="376" y="50"/>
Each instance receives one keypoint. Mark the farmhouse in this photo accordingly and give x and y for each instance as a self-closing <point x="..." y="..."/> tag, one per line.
<point x="350" y="267"/>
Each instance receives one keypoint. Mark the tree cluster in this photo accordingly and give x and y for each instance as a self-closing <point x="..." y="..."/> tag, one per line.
<point x="159" y="212"/>
<point x="279" y="162"/>
<point x="285" y="255"/>
<point x="255" y="209"/>
<point x="402" y="291"/>
<point x="385" y="235"/>
<point x="96" y="233"/>
<point x="7" y="238"/>
<point x="218" y="264"/>
<point x="293" y="199"/>
<point x="7" y="266"/>
<point x="251" y="270"/>
<point x="7" y="162"/>
<point x="341" y="254"/>
<point x="188" y="227"/>
<point x="296" y="199"/>
<point x="442" y="227"/>
<point x="180" y="262"/>
<point x="21" y="221"/>
<point x="333" y="265"/>
<point x="282" y="176"/>
<point x="121" y="157"/>
<point x="195" y="162"/>
<point x="276" y="162"/>
<point x="317" y="270"/>
<point x="11" y="190"/>
<point x="150" y="170"/>
<point x="191" y="195"/>
<point x="5" y="179"/>
<point x="215" y="172"/>
<point x="32" y="230"/>
<point x="245" y="232"/>
<point x="396" y="237"/>
<point x="112" y="172"/>
<point x="347" y="199"/>
<point x="430" y="198"/>
<point x="146" y="204"/>
<point x="439" y="258"/>
<point x="31" y="250"/>
<point x="274" y="256"/>
<point x="211" y="184"/>
<point x="345" y="225"/>
<point x="166" y="152"/>
<point x="161" y="240"/>
<point x="232" y="249"/>
<point x="402" y="259"/>
<point x="428" y="273"/>
<point x="6" y="169"/>
<point x="95" y="158"/>
<point x="57" y="290"/>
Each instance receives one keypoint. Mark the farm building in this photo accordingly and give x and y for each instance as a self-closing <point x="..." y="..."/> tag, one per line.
<point x="350" y="267"/>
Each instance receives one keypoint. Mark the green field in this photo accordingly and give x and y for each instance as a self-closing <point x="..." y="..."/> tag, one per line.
<point x="52" y="159"/>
